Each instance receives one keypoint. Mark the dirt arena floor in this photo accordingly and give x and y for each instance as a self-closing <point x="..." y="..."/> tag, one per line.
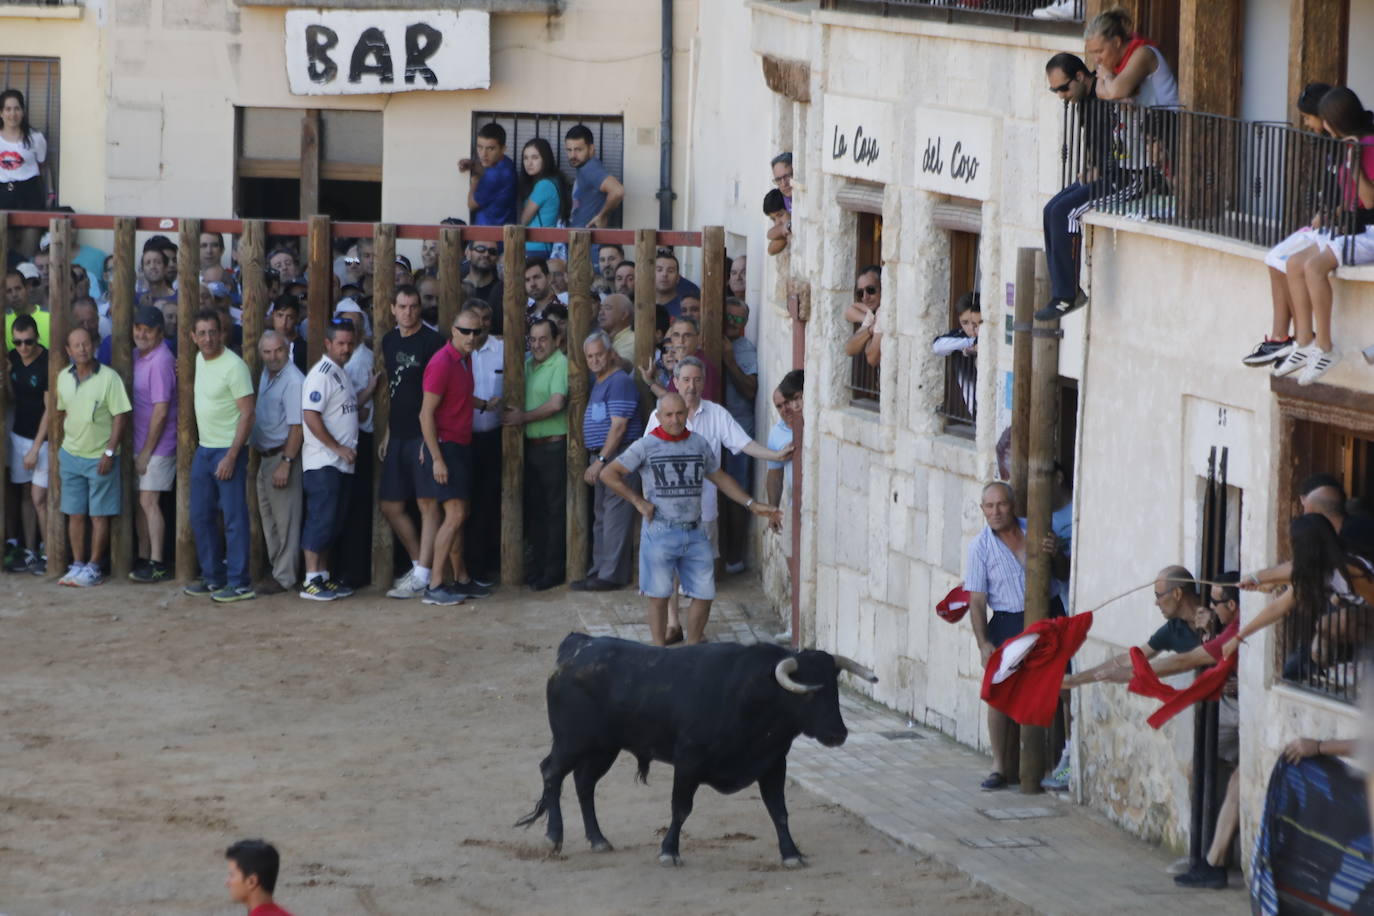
<point x="386" y="747"/>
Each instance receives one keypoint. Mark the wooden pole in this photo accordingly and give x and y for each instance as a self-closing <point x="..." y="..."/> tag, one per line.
<point x="580" y="307"/>
<point x="383" y="295"/>
<point x="513" y="437"/>
<point x="188" y="436"/>
<point x="450" y="278"/>
<point x="310" y="163"/>
<point x="4" y="397"/>
<point x="712" y="295"/>
<point x="122" y="539"/>
<point x="59" y="320"/>
<point x="645" y="250"/>
<point x="1021" y="374"/>
<point x="320" y="307"/>
<point x="1044" y="429"/>
<point x="254" y="319"/>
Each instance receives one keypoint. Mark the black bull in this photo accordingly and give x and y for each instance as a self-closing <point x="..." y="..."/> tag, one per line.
<point x="722" y="714"/>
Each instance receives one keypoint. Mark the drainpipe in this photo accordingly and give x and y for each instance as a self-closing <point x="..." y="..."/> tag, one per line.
<point x="665" y="193"/>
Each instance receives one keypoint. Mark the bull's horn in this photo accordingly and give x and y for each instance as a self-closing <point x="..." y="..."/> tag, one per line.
<point x="783" y="672"/>
<point x="854" y="668"/>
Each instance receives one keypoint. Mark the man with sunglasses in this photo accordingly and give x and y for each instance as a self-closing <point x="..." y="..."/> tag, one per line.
<point x="486" y="285"/>
<point x="782" y="177"/>
<point x="868" y="296"/>
<point x="28" y="379"/>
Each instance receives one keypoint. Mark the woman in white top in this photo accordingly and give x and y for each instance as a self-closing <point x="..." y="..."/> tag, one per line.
<point x="23" y="151"/>
<point x="1128" y="66"/>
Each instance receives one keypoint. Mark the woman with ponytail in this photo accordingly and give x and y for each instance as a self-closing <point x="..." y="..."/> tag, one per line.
<point x="1129" y="66"/>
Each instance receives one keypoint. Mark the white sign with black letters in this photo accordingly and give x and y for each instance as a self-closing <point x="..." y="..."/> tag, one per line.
<point x="954" y="153"/>
<point x="355" y="52"/>
<point x="858" y="140"/>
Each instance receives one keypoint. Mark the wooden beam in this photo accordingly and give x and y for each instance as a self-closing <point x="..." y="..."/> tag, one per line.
<point x="310" y="163"/>
<point x="1021" y="374"/>
<point x="450" y="278"/>
<point x="383" y="295"/>
<point x="188" y="435"/>
<point x="513" y="437"/>
<point x="252" y="255"/>
<point x="1209" y="56"/>
<point x="122" y="539"/>
<point x="580" y="311"/>
<point x="59" y="320"/>
<point x="645" y="249"/>
<point x="4" y="397"/>
<point x="319" y="299"/>
<point x="1318" y="47"/>
<point x="713" y="296"/>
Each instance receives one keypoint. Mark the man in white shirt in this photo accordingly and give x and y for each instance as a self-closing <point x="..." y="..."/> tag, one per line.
<point x="482" y="546"/>
<point x="329" y="409"/>
<point x="713" y="422"/>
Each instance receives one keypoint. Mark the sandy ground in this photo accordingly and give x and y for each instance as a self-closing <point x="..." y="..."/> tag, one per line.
<point x="386" y="747"/>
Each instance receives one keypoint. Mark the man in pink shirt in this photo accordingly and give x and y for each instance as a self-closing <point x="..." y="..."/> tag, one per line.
<point x="155" y="439"/>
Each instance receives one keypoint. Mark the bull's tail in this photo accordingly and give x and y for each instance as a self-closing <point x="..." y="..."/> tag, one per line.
<point x="643" y="774"/>
<point x="540" y="809"/>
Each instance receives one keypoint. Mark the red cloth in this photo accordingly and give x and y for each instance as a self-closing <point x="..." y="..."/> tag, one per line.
<point x="1213" y="645"/>
<point x="1207" y="686"/>
<point x="1135" y="44"/>
<point x="666" y="436"/>
<point x="268" y="909"/>
<point x="449" y="375"/>
<point x="1029" y="696"/>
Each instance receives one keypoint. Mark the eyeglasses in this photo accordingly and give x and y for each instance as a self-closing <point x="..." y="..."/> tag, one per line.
<point x="1064" y="88"/>
<point x="481" y="249"/>
<point x="865" y="291"/>
<point x="737" y="319"/>
<point x="467" y="332"/>
<point x="25" y="341"/>
<point x="1159" y="595"/>
<point x="781" y="178"/>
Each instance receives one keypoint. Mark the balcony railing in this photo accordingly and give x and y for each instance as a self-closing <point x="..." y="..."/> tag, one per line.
<point x="970" y="10"/>
<point x="1251" y="181"/>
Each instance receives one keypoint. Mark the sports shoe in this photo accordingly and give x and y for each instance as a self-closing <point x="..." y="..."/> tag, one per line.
<point x="470" y="589"/>
<point x="1059" y="11"/>
<point x="443" y="596"/>
<point x="201" y="589"/>
<point x="86" y="576"/>
<point x="408" y="586"/>
<point x="317" y="589"/>
<point x="1269" y="351"/>
<point x="1318" y="364"/>
<point x="994" y="782"/>
<point x="338" y="588"/>
<point x="486" y="581"/>
<point x="1058" y="308"/>
<point x="1295" y="360"/>
<point x="17" y="558"/>
<point x="148" y="571"/>
<point x="232" y="593"/>
<point x="38" y="566"/>
<point x="734" y="569"/>
<point x="1057" y="781"/>
<point x="1212" y="877"/>
<point x="69" y="577"/>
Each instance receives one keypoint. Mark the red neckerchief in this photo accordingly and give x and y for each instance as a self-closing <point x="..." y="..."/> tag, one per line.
<point x="669" y="437"/>
<point x="1131" y="47"/>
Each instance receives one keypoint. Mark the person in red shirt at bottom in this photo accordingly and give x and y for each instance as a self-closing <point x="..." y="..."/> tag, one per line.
<point x="253" y="866"/>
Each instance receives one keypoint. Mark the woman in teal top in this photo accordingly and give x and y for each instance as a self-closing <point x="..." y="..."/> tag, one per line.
<point x="547" y="201"/>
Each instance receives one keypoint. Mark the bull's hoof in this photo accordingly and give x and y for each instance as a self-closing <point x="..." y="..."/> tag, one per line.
<point x="669" y="861"/>
<point x="555" y="845"/>
<point x="794" y="862"/>
<point x="602" y="845"/>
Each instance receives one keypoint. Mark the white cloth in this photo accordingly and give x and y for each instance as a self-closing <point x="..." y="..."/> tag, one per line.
<point x="716" y="426"/>
<point x="359" y="372"/>
<point x="488" y="383"/>
<point x="1159" y="88"/>
<point x="19" y="162"/>
<point x="328" y="392"/>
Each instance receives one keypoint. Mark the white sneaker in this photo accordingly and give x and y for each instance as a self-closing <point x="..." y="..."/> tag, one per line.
<point x="1318" y="364"/>
<point x="1296" y="360"/>
<point x="408" y="586"/>
<point x="69" y="578"/>
<point x="87" y="576"/>
<point x="1060" y="11"/>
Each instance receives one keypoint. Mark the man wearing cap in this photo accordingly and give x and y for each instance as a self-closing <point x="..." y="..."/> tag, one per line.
<point x="155" y="440"/>
<point x="219" y="471"/>
<point x="353" y="552"/>
<point x="276" y="438"/>
<point x="19" y="300"/>
<point x="91" y="406"/>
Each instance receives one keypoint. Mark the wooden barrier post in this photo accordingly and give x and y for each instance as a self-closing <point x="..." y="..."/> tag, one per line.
<point x="1044" y="429"/>
<point x="580" y="310"/>
<point x="451" y="280"/>
<point x="123" y="544"/>
<point x="513" y="437"/>
<point x="713" y="296"/>
<point x="1021" y="374"/>
<point x="644" y="310"/>
<point x="251" y="254"/>
<point x="383" y="295"/>
<point x="4" y="395"/>
<point x="59" y="320"/>
<point x="188" y="436"/>
<point x="320" y="307"/>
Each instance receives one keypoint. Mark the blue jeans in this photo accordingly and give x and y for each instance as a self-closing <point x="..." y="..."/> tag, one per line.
<point x="1058" y="239"/>
<point x="229" y="497"/>
<point x="665" y="549"/>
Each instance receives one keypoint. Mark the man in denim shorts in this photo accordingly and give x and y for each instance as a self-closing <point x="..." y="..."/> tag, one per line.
<point x="676" y="463"/>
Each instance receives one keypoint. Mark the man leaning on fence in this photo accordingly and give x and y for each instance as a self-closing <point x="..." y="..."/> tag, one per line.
<point x="155" y="440"/>
<point x="92" y="409"/>
<point x="276" y="438"/>
<point x="224" y="408"/>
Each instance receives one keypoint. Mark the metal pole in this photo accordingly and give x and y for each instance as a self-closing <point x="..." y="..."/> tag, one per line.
<point x="665" y="193"/>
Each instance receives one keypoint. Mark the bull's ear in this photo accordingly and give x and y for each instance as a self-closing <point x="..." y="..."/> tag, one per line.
<point x="854" y="668"/>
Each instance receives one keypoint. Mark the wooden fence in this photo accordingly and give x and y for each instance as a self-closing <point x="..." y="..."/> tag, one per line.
<point x="317" y="253"/>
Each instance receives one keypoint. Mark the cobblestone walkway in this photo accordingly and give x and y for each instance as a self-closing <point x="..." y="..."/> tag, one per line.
<point x="920" y="788"/>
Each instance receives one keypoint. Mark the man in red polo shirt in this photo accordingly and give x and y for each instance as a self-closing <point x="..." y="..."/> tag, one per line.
<point x="446" y="425"/>
<point x="253" y="867"/>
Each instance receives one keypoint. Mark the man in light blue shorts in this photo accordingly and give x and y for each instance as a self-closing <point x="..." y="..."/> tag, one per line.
<point x="674" y="463"/>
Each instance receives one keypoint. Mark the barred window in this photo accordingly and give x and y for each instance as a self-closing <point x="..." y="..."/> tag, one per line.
<point x="40" y="79"/>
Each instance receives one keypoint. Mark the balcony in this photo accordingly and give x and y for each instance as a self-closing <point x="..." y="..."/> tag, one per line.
<point x="1014" y="14"/>
<point x="540" y="7"/>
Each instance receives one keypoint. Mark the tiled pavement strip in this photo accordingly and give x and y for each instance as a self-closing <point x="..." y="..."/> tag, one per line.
<point x="920" y="788"/>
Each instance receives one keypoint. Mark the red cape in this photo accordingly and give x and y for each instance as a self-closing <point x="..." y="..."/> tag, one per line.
<point x="1207" y="686"/>
<point x="1024" y="676"/>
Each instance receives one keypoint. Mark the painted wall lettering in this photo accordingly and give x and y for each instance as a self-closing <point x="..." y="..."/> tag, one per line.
<point x="957" y="152"/>
<point x="861" y="134"/>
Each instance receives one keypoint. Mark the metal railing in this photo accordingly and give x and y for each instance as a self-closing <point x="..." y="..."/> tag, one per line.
<point x="1323" y="649"/>
<point x="960" y="405"/>
<point x="1252" y="181"/>
<point x="957" y="9"/>
<point x="863" y="382"/>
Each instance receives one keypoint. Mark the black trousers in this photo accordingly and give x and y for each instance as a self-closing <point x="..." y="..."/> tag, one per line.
<point x="482" y="530"/>
<point x="351" y="562"/>
<point x="546" y="504"/>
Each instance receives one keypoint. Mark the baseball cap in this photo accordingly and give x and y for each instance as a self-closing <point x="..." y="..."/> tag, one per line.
<point x="348" y="304"/>
<point x="148" y="316"/>
<point x="30" y="271"/>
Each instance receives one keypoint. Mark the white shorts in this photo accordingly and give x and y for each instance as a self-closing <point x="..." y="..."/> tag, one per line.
<point x="19" y="447"/>
<point x="162" y="473"/>
<point x="1360" y="247"/>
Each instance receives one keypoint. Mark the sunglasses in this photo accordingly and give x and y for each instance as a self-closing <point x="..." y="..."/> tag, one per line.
<point x="737" y="319"/>
<point x="481" y="249"/>
<point x="1063" y="88"/>
<point x="25" y="341"/>
<point x="467" y="332"/>
<point x="865" y="290"/>
<point x="341" y="322"/>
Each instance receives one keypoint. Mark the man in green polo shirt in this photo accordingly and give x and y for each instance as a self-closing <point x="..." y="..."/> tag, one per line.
<point x="92" y="407"/>
<point x="545" y="419"/>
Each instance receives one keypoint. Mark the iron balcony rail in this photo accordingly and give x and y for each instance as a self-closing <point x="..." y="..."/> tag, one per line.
<point x="1251" y="181"/>
<point x="955" y="9"/>
<point x="1323" y="650"/>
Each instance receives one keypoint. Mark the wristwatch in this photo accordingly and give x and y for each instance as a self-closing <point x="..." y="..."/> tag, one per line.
<point x="109" y="453"/>
<point x="287" y="458"/>
<point x="600" y="457"/>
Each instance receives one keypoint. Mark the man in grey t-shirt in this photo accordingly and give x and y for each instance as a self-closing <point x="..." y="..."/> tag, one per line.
<point x="676" y="462"/>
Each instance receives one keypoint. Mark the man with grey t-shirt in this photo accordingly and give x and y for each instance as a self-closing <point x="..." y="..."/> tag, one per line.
<point x="676" y="463"/>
